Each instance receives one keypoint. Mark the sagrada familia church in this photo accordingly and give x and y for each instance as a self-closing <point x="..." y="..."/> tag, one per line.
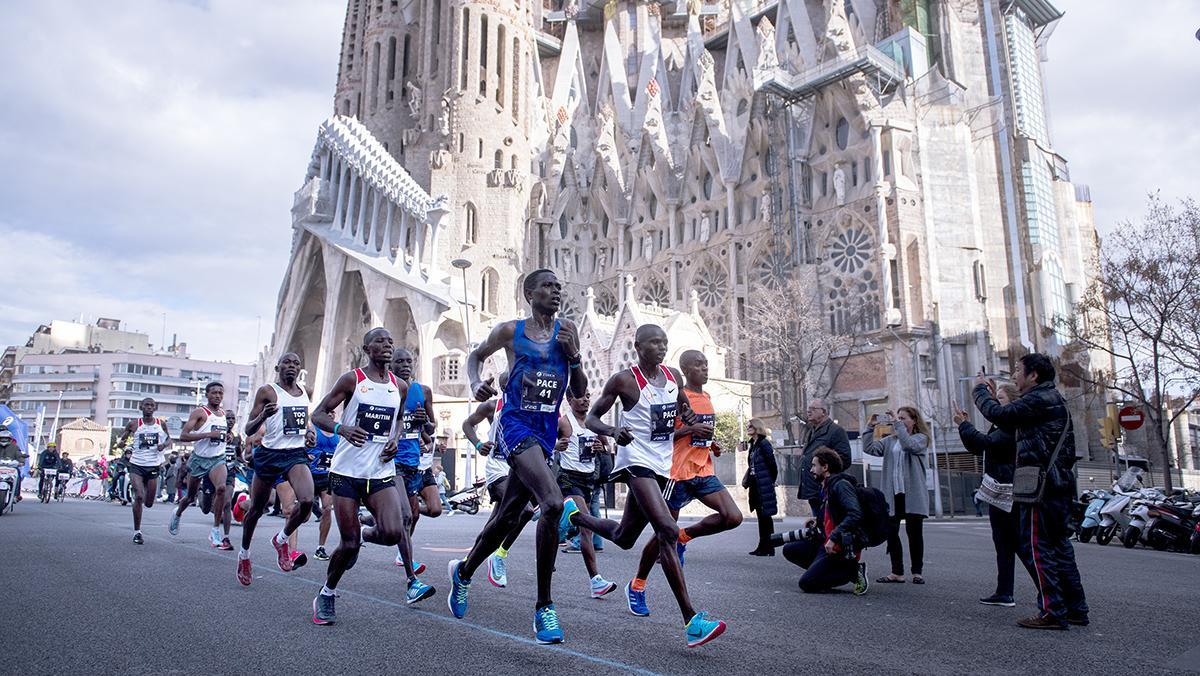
<point x="675" y="160"/>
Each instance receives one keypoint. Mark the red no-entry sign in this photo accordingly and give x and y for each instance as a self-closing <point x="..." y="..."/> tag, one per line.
<point x="1131" y="418"/>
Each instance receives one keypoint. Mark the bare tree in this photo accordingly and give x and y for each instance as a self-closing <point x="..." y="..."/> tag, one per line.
<point x="1143" y="314"/>
<point x="792" y="345"/>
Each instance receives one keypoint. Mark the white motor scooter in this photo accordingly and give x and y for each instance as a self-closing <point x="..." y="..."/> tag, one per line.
<point x="1142" y="517"/>
<point x="10" y="484"/>
<point x="1112" y="515"/>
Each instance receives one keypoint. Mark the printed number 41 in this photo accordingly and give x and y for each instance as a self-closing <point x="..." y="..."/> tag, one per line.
<point x="544" y="393"/>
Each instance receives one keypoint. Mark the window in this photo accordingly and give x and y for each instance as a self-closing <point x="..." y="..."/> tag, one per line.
<point x="483" y="55"/>
<point x="471" y="223"/>
<point x="843" y="133"/>
<point x="499" y="160"/>
<point x="501" y="43"/>
<point x="489" y="286"/>
<point x="466" y="47"/>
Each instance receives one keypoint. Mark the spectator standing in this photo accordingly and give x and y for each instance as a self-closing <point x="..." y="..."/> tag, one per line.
<point x="903" y="443"/>
<point x="169" y="473"/>
<point x="831" y="557"/>
<point x="761" y="474"/>
<point x="822" y="431"/>
<point x="1041" y="422"/>
<point x="443" y="482"/>
<point x="999" y="450"/>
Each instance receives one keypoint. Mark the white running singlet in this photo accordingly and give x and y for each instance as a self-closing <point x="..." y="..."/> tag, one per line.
<point x="210" y="448"/>
<point x="652" y="420"/>
<point x="375" y="407"/>
<point x="146" y="438"/>
<point x="495" y="469"/>
<point x="580" y="454"/>
<point x="286" y="428"/>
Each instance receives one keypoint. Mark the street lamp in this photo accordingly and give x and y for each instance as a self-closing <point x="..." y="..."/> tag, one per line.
<point x="463" y="264"/>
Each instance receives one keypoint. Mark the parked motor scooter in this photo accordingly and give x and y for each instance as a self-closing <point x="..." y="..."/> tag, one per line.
<point x="467" y="500"/>
<point x="1094" y="501"/>
<point x="1113" y="518"/>
<point x="1142" y="517"/>
<point x="1174" y="525"/>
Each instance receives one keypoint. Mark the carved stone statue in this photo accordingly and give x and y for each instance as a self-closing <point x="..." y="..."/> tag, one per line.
<point x="414" y="99"/>
<point x="764" y="212"/>
<point x="647" y="247"/>
<point x="444" y="118"/>
<point x="839" y="185"/>
<point x="705" y="227"/>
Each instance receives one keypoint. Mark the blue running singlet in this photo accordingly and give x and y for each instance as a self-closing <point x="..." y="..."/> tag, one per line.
<point x="537" y="380"/>
<point x="408" y="445"/>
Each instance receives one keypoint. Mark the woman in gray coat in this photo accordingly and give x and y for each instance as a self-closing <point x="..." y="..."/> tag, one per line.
<point x="903" y="443"/>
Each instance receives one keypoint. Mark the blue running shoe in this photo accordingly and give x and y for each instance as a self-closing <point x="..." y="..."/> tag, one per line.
<point x="565" y="528"/>
<point x="701" y="630"/>
<point x="545" y="625"/>
<point x="457" y="600"/>
<point x="173" y="527"/>
<point x="417" y="591"/>
<point x="680" y="548"/>
<point x="637" y="601"/>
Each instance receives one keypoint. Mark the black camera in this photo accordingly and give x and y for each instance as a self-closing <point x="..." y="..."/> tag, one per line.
<point x="812" y="532"/>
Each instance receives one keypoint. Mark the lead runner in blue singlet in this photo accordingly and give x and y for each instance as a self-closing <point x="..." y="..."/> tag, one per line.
<point x="543" y="357"/>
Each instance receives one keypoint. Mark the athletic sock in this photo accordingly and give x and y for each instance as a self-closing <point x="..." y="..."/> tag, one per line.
<point x="684" y="538"/>
<point x="326" y="591"/>
<point x="502" y="552"/>
<point x="243" y="554"/>
<point x="281" y="537"/>
<point x="638" y="584"/>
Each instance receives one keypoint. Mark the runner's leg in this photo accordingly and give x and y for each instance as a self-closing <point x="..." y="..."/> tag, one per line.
<point x="433" y="504"/>
<point x="260" y="494"/>
<point x="300" y="479"/>
<point x="217" y="476"/>
<point x="139" y="498"/>
<point x="193" y="486"/>
<point x="727" y="516"/>
<point x="530" y="470"/>
<point x="349" y="532"/>
<point x="650" y="555"/>
<point x="504" y="518"/>
<point x="648" y="497"/>
<point x="326" y="518"/>
<point x="287" y="506"/>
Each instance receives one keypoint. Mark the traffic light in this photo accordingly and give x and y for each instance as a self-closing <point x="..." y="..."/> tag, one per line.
<point x="1110" y="431"/>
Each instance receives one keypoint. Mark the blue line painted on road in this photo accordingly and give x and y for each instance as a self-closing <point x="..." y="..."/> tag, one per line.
<point x="434" y="616"/>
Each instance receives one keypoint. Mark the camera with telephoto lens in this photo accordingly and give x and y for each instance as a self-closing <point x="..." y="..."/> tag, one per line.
<point x="810" y="532"/>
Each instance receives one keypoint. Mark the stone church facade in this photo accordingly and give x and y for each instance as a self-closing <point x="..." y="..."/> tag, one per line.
<point x="684" y="156"/>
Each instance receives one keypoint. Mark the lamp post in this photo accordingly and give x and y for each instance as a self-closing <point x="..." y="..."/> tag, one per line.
<point x="463" y="264"/>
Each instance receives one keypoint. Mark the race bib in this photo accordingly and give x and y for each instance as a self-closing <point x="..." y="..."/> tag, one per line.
<point x="230" y="454"/>
<point x="410" y="430"/>
<point x="702" y="418"/>
<point x="587" y="447"/>
<point x="147" y="439"/>
<point x="322" y="460"/>
<point x="376" y="421"/>
<point x="662" y="420"/>
<point x="541" y="391"/>
<point x="295" y="420"/>
<point x="217" y="428"/>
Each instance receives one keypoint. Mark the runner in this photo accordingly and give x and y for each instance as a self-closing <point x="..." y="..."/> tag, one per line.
<point x="692" y="477"/>
<point x="543" y="357"/>
<point x="652" y="400"/>
<point x="206" y="430"/>
<point x="319" y="458"/>
<point x="417" y="420"/>
<point x="282" y="410"/>
<point x="233" y="464"/>
<point x="150" y="438"/>
<point x="495" y="476"/>
<point x="577" y="448"/>
<point x="363" y="470"/>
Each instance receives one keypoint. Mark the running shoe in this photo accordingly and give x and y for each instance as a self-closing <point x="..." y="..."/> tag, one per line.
<point x="863" y="582"/>
<point x="320" y="554"/>
<point x="323" y="609"/>
<point x="457" y="599"/>
<point x="565" y="528"/>
<point x="418" y="568"/>
<point x="572" y="547"/>
<point x="637" y="601"/>
<point x="284" y="553"/>
<point x="545" y="625"/>
<point x="417" y="591"/>
<point x="214" y="537"/>
<point x="680" y="548"/>
<point x="173" y="526"/>
<point x="999" y="600"/>
<point x="244" y="574"/>
<point x="498" y="570"/>
<point x="298" y="559"/>
<point x="701" y="630"/>
<point x="226" y="545"/>
<point x="137" y="539"/>
<point x="601" y="587"/>
<point x="537" y="514"/>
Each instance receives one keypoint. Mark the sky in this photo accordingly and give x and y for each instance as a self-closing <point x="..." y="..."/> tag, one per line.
<point x="149" y="149"/>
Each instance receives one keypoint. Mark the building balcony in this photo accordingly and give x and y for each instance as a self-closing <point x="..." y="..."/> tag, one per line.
<point x="51" y="398"/>
<point x="82" y="377"/>
<point x="189" y="399"/>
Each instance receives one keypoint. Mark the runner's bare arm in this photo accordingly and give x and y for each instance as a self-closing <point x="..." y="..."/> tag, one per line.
<point x="685" y="407"/>
<point x="167" y="441"/>
<point x="194" y="421"/>
<point x="500" y="337"/>
<point x="129" y="427"/>
<point x="484" y="411"/>
<point x="568" y="338"/>
<point x="607" y="399"/>
<point x="322" y="416"/>
<point x="265" y="405"/>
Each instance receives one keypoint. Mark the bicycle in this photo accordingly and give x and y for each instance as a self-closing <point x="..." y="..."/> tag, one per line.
<point x="46" y="485"/>
<point x="60" y="488"/>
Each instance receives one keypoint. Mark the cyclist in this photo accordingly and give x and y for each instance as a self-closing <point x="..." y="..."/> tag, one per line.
<point x="48" y="466"/>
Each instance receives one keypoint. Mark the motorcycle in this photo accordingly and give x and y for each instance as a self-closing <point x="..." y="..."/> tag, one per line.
<point x="1142" y="517"/>
<point x="10" y="484"/>
<point x="1195" y="548"/>
<point x="1094" y="501"/>
<point x="467" y="500"/>
<point x="1113" y="519"/>
<point x="1174" y="525"/>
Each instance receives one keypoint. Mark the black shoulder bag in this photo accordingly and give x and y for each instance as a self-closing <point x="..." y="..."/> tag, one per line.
<point x="1029" y="483"/>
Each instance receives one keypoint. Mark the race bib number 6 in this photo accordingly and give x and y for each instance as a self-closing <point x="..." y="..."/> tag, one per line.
<point x="376" y="421"/>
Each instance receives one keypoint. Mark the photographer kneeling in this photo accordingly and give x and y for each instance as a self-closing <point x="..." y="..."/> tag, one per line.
<point x="830" y="548"/>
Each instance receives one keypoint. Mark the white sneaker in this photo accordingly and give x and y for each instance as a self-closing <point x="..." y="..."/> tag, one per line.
<point x="214" y="537"/>
<point x="600" y="587"/>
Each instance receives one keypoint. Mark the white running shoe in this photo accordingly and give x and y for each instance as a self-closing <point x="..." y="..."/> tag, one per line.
<point x="601" y="587"/>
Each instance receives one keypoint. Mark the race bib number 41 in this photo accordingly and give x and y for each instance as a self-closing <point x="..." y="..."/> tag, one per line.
<point x="541" y="391"/>
<point x="295" y="420"/>
<point x="662" y="421"/>
<point x="376" y="421"/>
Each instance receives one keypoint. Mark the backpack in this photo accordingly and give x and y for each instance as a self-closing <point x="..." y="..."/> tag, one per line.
<point x="877" y="526"/>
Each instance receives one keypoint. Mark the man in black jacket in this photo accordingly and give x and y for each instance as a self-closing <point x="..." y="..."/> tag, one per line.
<point x="1040" y="418"/>
<point x="48" y="464"/>
<point x="831" y="558"/>
<point x="822" y="432"/>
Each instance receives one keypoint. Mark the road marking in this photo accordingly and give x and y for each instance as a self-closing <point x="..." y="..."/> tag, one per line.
<point x="425" y="613"/>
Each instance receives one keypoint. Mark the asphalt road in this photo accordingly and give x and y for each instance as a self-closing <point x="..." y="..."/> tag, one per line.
<point x="81" y="598"/>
